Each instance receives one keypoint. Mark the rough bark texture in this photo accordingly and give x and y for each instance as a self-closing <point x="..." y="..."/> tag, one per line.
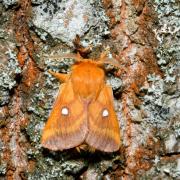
<point x="143" y="36"/>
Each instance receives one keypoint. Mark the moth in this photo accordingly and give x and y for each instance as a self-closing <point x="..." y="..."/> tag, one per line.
<point x="83" y="112"/>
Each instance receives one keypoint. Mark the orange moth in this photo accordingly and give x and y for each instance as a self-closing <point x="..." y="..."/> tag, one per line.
<point x="83" y="112"/>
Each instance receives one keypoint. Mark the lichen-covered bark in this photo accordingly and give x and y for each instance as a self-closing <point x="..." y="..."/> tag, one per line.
<point x="143" y="36"/>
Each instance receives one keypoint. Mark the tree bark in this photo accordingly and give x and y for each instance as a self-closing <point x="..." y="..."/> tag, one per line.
<point x="143" y="38"/>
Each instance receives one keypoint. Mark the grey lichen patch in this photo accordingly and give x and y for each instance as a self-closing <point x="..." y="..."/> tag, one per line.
<point x="62" y="65"/>
<point x="117" y="9"/>
<point x="9" y="67"/>
<point x="169" y="169"/>
<point x="64" y="19"/>
<point x="37" y="2"/>
<point x="168" y="35"/>
<point x="99" y="169"/>
<point x="154" y="102"/>
<point x="171" y="144"/>
<point x="40" y="106"/>
<point x="8" y="3"/>
<point x="42" y="34"/>
<point x="57" y="166"/>
<point x="3" y="168"/>
<point x="3" y="164"/>
<point x="176" y="129"/>
<point x="46" y="171"/>
<point x="115" y="83"/>
<point x="161" y="100"/>
<point x="8" y="73"/>
<point x="160" y="107"/>
<point x="73" y="166"/>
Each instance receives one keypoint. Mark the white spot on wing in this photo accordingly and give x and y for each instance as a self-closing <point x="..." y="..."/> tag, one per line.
<point x="105" y="113"/>
<point x="64" y="111"/>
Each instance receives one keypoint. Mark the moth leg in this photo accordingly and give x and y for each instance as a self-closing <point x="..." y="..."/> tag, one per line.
<point x="78" y="149"/>
<point x="81" y="147"/>
<point x="91" y="149"/>
<point x="85" y="147"/>
<point x="61" y="77"/>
